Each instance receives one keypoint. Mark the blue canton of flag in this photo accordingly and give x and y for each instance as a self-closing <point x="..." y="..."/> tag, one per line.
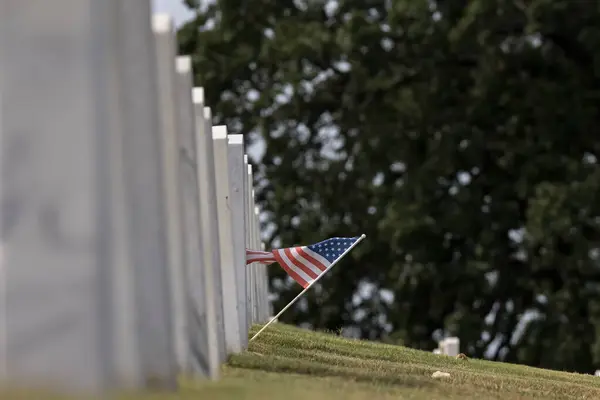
<point x="332" y="248"/>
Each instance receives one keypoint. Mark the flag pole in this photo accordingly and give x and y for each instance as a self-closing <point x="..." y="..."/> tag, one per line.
<point x="309" y="286"/>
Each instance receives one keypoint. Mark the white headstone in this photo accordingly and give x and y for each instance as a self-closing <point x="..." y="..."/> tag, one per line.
<point x="237" y="178"/>
<point x="257" y="276"/>
<point x="165" y="60"/>
<point x="210" y="224"/>
<point x="228" y="270"/>
<point x="252" y="245"/>
<point x="255" y="267"/>
<point x="264" y="298"/>
<point x="72" y="243"/>
<point x="451" y="346"/>
<point x="248" y="242"/>
<point x="269" y="305"/>
<point x="199" y="289"/>
<point x="148" y="289"/>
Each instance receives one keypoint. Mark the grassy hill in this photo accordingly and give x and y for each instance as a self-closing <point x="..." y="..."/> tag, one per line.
<point x="289" y="363"/>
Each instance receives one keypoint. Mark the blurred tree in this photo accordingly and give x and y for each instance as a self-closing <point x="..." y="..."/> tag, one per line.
<point x="458" y="138"/>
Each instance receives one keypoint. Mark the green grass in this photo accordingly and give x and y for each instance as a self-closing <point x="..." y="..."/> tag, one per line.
<point x="289" y="363"/>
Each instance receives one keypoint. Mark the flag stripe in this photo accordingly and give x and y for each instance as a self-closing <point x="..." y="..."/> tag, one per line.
<point x="265" y="260"/>
<point x="291" y="273"/>
<point x="263" y="257"/>
<point x="266" y="255"/>
<point x="304" y="261"/>
<point x="304" y="268"/>
<point x="258" y="256"/>
<point x="312" y="257"/>
<point x="293" y="267"/>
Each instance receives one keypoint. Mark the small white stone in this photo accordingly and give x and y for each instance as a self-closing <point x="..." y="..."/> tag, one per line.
<point x="440" y="374"/>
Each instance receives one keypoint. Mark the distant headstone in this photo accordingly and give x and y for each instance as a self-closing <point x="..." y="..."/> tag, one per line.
<point x="228" y="271"/>
<point x="451" y="346"/>
<point x="209" y="220"/>
<point x="251" y="238"/>
<point x="237" y="184"/>
<point x="257" y="275"/>
<point x="248" y="239"/>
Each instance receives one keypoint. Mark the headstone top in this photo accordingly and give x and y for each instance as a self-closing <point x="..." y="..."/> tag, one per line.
<point x="219" y="132"/>
<point x="162" y="23"/>
<point x="183" y="64"/>
<point x="236" y="139"/>
<point x="198" y="97"/>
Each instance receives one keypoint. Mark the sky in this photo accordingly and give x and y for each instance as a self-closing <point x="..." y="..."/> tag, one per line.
<point x="175" y="8"/>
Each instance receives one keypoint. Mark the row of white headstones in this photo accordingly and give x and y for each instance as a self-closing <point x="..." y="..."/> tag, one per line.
<point x="125" y="213"/>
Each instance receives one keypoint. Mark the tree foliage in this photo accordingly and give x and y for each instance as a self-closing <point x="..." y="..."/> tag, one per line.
<point x="459" y="136"/>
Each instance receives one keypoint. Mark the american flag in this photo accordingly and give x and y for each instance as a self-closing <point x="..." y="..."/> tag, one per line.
<point x="304" y="263"/>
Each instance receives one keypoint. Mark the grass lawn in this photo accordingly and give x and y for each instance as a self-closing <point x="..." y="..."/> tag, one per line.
<point x="289" y="363"/>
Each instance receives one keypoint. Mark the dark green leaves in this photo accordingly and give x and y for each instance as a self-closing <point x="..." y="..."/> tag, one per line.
<point x="461" y="139"/>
